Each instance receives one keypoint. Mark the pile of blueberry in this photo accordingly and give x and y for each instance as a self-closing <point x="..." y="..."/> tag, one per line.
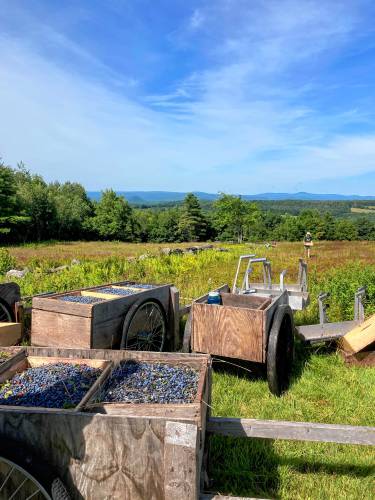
<point x="116" y="291"/>
<point x="80" y="299"/>
<point x="56" y="385"/>
<point x="140" y="382"/>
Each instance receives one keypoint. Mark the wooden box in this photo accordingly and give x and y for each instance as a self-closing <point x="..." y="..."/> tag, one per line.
<point x="56" y="323"/>
<point x="133" y="453"/>
<point x="10" y="333"/>
<point x="236" y="329"/>
<point x="21" y="362"/>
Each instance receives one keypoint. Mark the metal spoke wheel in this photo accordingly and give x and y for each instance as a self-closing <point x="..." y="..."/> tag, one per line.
<point x="6" y="313"/>
<point x="145" y="327"/>
<point x="280" y="351"/>
<point x="23" y="477"/>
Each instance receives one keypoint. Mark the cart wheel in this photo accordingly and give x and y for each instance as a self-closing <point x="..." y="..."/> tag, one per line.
<point x="144" y="327"/>
<point x="24" y="476"/>
<point x="280" y="350"/>
<point x="6" y="313"/>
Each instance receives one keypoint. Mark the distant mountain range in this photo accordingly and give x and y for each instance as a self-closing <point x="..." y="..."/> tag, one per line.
<point x="147" y="197"/>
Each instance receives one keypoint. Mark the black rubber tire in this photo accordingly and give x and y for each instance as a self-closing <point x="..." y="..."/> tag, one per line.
<point x="130" y="315"/>
<point x="280" y="350"/>
<point x="4" y="305"/>
<point x="35" y="467"/>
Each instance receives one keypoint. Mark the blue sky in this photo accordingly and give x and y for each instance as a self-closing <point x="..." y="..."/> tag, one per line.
<point x="225" y="95"/>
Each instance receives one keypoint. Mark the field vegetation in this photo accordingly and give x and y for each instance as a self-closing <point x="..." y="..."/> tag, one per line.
<point x="323" y="388"/>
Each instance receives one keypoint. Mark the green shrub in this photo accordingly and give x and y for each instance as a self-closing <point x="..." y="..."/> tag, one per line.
<point x="6" y="261"/>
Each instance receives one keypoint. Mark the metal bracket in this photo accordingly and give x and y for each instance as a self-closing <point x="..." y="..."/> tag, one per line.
<point x="267" y="274"/>
<point x="359" y="310"/>
<point x="323" y="306"/>
<point x="302" y="275"/>
<point x="282" y="283"/>
<point x="242" y="257"/>
<point x="245" y="286"/>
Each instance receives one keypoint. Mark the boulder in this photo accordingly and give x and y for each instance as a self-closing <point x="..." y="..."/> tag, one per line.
<point x="16" y="273"/>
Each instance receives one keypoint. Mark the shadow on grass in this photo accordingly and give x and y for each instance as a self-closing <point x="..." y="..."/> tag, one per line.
<point x="336" y="468"/>
<point x="246" y="467"/>
<point x="240" y="368"/>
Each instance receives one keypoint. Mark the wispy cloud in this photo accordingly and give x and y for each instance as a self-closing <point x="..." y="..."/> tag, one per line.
<point x="253" y="110"/>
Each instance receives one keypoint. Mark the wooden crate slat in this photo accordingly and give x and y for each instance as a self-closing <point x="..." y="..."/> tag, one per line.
<point x="360" y="337"/>
<point x="228" y="331"/>
<point x="10" y="334"/>
<point x="296" y="431"/>
<point x="54" y="329"/>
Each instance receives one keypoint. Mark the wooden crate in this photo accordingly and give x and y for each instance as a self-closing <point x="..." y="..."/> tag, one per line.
<point x="134" y="454"/>
<point x="10" y="333"/>
<point x="56" y="323"/>
<point x="21" y="362"/>
<point x="236" y="329"/>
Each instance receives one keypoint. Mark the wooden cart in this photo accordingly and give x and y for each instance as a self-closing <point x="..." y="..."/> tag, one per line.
<point x="121" y="451"/>
<point x="142" y="320"/>
<point x="128" y="451"/>
<point x="249" y="327"/>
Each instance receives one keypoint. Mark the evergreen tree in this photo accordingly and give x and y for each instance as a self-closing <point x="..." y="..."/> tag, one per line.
<point x="192" y="225"/>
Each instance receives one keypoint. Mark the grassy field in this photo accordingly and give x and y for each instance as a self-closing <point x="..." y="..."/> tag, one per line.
<point x="323" y="388"/>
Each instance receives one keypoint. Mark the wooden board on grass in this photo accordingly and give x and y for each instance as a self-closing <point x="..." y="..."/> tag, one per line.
<point x="10" y="333"/>
<point x="360" y="337"/>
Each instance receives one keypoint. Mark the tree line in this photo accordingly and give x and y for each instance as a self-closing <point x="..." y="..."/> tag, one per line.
<point x="33" y="210"/>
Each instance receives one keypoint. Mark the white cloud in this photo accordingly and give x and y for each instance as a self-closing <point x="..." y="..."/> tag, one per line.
<point x="237" y="125"/>
<point x="197" y="19"/>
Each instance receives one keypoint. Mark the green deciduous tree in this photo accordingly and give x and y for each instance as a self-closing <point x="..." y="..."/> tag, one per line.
<point x="114" y="218"/>
<point x="234" y="217"/>
<point x="11" y="217"/>
<point x="37" y="202"/>
<point x="73" y="208"/>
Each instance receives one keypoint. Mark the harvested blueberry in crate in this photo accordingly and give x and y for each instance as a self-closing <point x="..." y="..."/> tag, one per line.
<point x="140" y="382"/>
<point x="80" y="299"/>
<point x="55" y="385"/>
<point x="116" y="291"/>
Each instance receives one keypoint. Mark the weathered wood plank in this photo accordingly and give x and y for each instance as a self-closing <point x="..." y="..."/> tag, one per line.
<point x="52" y="304"/>
<point x="97" y="456"/>
<point x="10" y="334"/>
<point x="181" y="465"/>
<point x="56" y="329"/>
<point x="228" y="331"/>
<point x="360" y="337"/>
<point x="297" y="431"/>
<point x="177" y="412"/>
<point x="194" y="360"/>
<point x="186" y="343"/>
<point x="16" y="354"/>
<point x="247" y="301"/>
